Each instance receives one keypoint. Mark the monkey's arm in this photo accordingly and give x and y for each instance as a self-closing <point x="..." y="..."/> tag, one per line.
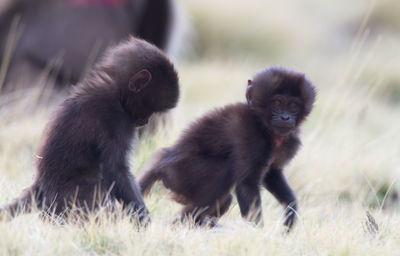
<point x="248" y="169"/>
<point x="125" y="189"/>
<point x="276" y="183"/>
<point x="249" y="199"/>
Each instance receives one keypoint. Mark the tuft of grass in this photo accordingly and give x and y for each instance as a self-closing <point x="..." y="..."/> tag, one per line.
<point x="99" y="244"/>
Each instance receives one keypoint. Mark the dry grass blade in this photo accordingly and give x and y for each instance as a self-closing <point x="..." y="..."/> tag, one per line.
<point x="371" y="224"/>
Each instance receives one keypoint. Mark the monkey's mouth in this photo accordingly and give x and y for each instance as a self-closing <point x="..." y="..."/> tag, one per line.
<point x="283" y="128"/>
<point x="283" y="125"/>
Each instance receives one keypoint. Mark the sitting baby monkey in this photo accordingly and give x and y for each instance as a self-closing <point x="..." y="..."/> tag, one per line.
<point x="83" y="161"/>
<point x="239" y="146"/>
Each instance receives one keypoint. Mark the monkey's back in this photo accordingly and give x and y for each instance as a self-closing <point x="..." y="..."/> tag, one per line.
<point x="204" y="160"/>
<point x="214" y="133"/>
<point x="68" y="152"/>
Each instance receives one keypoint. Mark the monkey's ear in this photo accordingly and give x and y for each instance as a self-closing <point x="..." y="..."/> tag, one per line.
<point x="249" y="90"/>
<point x="140" y="80"/>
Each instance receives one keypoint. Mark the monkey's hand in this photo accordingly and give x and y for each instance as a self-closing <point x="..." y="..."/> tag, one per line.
<point x="290" y="215"/>
<point x="276" y="183"/>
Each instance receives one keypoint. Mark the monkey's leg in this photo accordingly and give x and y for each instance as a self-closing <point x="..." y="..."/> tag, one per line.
<point x="211" y="215"/>
<point x="249" y="199"/>
<point x="128" y="192"/>
<point x="21" y="205"/>
<point x="221" y="206"/>
<point x="187" y="213"/>
<point x="206" y="215"/>
<point x="275" y="182"/>
<point x="124" y="187"/>
<point x="71" y="202"/>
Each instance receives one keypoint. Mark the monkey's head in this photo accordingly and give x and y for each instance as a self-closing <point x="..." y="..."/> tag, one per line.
<point x="146" y="79"/>
<point x="281" y="98"/>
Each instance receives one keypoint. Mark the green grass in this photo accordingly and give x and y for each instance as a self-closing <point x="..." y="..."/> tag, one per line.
<point x="349" y="162"/>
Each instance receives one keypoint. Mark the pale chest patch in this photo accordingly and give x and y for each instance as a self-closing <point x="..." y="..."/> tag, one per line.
<point x="283" y="151"/>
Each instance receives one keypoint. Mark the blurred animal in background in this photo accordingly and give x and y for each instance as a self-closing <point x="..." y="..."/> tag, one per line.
<point x="241" y="146"/>
<point x="83" y="158"/>
<point x="61" y="39"/>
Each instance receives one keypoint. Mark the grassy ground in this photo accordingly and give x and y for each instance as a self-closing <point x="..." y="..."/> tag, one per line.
<point x="349" y="163"/>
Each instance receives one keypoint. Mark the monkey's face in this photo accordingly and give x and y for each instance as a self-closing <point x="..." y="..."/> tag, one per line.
<point x="158" y="97"/>
<point x="281" y="98"/>
<point x="164" y="97"/>
<point x="279" y="113"/>
<point x="282" y="113"/>
<point x="151" y="93"/>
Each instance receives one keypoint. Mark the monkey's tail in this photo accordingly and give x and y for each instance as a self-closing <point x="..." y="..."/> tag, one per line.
<point x="152" y="173"/>
<point x="147" y="181"/>
<point x="21" y="205"/>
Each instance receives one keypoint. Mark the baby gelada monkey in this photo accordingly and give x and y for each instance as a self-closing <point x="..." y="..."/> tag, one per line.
<point x="83" y="158"/>
<point x="241" y="146"/>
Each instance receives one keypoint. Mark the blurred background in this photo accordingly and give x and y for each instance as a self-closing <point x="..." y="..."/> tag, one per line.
<point x="350" y="159"/>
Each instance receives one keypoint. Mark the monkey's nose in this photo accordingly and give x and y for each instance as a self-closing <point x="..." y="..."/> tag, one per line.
<point x="285" y="118"/>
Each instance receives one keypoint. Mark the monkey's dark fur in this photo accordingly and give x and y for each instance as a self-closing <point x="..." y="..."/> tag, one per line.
<point x="241" y="146"/>
<point x="84" y="153"/>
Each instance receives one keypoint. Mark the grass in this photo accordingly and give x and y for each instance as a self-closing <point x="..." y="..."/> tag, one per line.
<point x="348" y="165"/>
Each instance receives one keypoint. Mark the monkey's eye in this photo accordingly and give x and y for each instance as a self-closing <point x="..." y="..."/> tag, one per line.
<point x="294" y="107"/>
<point x="276" y="103"/>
